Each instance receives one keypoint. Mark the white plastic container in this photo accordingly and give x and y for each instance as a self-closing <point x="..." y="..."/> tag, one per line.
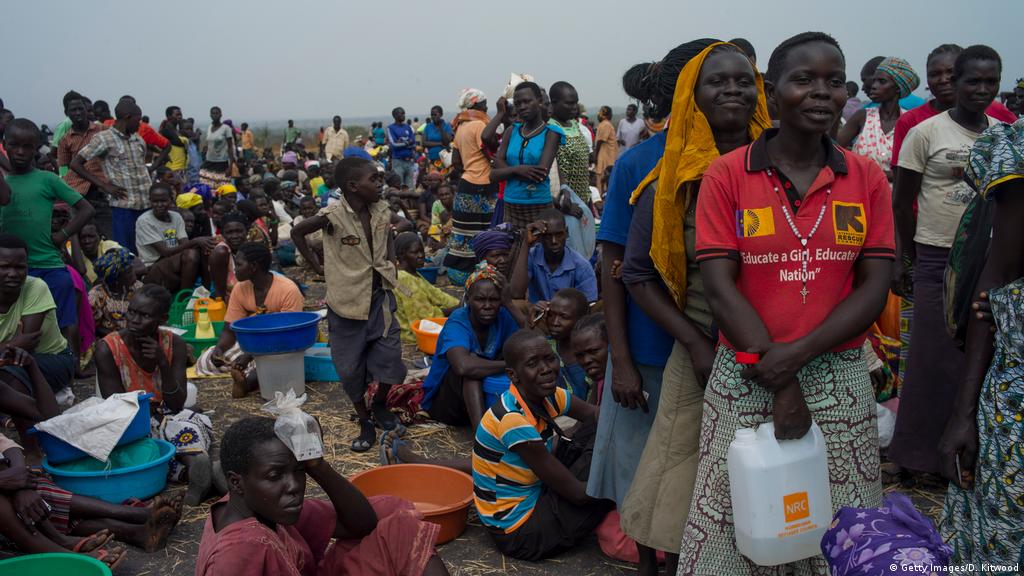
<point x="280" y="373"/>
<point x="781" y="501"/>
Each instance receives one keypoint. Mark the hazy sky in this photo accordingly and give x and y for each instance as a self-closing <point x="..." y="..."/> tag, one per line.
<point x="261" y="60"/>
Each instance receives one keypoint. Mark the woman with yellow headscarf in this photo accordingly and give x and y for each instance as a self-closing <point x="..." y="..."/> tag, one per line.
<point x="718" y="105"/>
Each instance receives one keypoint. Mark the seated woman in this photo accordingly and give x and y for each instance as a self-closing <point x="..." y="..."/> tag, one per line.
<point x="265" y="525"/>
<point x="259" y="291"/>
<point x="469" y="351"/>
<point x="494" y="246"/>
<point x="28" y="320"/>
<point x="546" y="510"/>
<point x="116" y="283"/>
<point x="234" y="229"/>
<point x="417" y="298"/>
<point x="92" y="247"/>
<point x="147" y="358"/>
<point x="565" y="310"/>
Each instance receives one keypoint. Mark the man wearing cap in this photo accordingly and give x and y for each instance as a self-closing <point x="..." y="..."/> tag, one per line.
<point x="335" y="140"/>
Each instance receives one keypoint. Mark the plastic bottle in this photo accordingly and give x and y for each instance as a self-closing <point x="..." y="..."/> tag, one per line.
<point x="781" y="500"/>
<point x="204" y="328"/>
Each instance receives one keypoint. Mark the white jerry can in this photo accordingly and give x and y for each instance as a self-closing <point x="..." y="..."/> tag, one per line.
<point x="781" y="501"/>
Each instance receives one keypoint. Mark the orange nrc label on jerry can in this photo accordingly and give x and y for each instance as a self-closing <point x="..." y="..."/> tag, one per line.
<point x="796" y="506"/>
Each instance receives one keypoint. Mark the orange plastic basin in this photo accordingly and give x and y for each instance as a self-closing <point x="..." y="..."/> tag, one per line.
<point x="443" y="495"/>
<point x="427" y="343"/>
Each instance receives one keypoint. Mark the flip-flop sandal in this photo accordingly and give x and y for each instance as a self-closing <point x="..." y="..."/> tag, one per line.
<point x="99" y="538"/>
<point x="135" y="503"/>
<point x="103" y="553"/>
<point x="389" y="456"/>
<point x="367" y="434"/>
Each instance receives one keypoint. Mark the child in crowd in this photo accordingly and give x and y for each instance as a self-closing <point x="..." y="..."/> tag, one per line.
<point x="546" y="510"/>
<point x="590" y="347"/>
<point x="307" y="209"/>
<point x="359" y="267"/>
<point x="417" y="298"/>
<point x="151" y="359"/>
<point x="425" y="201"/>
<point x="171" y="257"/>
<point x="549" y="265"/>
<point x="561" y="316"/>
<point x="266" y="525"/>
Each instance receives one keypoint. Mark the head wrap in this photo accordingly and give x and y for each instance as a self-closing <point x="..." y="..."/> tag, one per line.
<point x="997" y="157"/>
<point x="288" y="184"/>
<point x="483" y="271"/>
<point x="227" y="189"/>
<point x="689" y="149"/>
<point x="203" y="190"/>
<point x="356" y="152"/>
<point x="188" y="200"/>
<point x="901" y="73"/>
<point x="289" y="158"/>
<point x="469" y="97"/>
<point x="493" y="239"/>
<point x="515" y="80"/>
<point x="111" y="264"/>
<point x="311" y="163"/>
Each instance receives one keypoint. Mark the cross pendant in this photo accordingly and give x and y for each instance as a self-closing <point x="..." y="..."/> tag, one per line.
<point x="804" y="292"/>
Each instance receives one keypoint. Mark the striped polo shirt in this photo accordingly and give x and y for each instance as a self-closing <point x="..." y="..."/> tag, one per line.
<point x="505" y="489"/>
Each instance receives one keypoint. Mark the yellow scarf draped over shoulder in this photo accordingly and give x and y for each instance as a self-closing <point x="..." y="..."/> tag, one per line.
<point x="689" y="150"/>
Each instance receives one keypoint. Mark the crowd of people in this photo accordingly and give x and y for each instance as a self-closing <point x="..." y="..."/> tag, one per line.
<point x="742" y="247"/>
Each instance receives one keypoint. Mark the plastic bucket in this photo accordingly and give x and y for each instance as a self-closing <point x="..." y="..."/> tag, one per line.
<point x="199" y="345"/>
<point x="426" y="342"/>
<point x="494" y="387"/>
<point x="277" y="333"/>
<point x="179" y="315"/>
<point x="441" y="494"/>
<point x="58" y="451"/>
<point x="54" y="564"/>
<point x="319" y="365"/>
<point x="429" y="273"/>
<point x="117" y="485"/>
<point x="280" y="373"/>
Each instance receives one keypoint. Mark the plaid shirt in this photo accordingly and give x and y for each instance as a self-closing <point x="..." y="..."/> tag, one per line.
<point x="69" y="147"/>
<point x="124" y="163"/>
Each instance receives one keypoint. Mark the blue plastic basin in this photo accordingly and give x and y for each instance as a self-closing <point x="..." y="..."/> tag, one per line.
<point x="429" y="273"/>
<point x="117" y="485"/>
<point x="319" y="365"/>
<point x="58" y="451"/>
<point x="278" y="333"/>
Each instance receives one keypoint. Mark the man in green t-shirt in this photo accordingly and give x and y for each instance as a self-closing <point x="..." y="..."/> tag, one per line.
<point x="28" y="211"/>
<point x="28" y="319"/>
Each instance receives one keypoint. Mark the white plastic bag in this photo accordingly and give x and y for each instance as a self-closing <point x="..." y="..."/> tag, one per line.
<point x="886" y="425"/>
<point x="299" y="431"/>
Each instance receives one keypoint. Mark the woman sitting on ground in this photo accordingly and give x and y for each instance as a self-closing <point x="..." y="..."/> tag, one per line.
<point x="116" y="283"/>
<point x="265" y="525"/>
<point x="234" y="229"/>
<point x="468" y="354"/>
<point x="145" y="357"/>
<point x="417" y="298"/>
<point x="259" y="291"/>
<point x="92" y="247"/>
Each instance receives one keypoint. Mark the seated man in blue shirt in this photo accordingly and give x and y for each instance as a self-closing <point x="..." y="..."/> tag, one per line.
<point x="549" y="265"/>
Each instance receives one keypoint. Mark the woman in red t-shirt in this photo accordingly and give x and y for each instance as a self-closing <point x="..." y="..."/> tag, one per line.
<point x="795" y="244"/>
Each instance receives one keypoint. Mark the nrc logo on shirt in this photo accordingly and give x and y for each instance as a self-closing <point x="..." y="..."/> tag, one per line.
<point x="754" y="222"/>
<point x="850" y="223"/>
<point x="796" y="506"/>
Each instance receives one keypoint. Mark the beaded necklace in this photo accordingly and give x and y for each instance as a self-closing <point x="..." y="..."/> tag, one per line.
<point x="796" y="232"/>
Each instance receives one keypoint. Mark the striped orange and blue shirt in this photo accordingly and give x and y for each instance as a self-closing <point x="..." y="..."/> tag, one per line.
<point x="505" y="489"/>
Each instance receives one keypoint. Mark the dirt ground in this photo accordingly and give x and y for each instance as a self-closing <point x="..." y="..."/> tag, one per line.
<point x="472" y="554"/>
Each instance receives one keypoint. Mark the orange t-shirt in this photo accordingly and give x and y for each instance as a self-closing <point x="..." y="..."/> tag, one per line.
<point x="283" y="296"/>
<point x="476" y="167"/>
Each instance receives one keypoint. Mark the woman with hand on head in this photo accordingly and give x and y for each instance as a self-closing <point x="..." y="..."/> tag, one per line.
<point x="794" y="212"/>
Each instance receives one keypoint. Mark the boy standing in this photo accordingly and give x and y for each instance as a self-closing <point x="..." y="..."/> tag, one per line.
<point x="27" y="210"/>
<point x="358" y="263"/>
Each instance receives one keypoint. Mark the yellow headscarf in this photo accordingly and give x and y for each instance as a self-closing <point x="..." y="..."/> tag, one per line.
<point x="689" y="150"/>
<point x="188" y="200"/>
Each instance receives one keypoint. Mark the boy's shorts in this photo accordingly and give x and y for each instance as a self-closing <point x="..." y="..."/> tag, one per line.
<point x="363" y="351"/>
